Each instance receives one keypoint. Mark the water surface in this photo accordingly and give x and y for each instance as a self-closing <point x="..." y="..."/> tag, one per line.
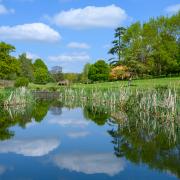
<point x="49" y="141"/>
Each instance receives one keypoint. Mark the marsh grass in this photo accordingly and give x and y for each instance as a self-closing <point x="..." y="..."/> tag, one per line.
<point x="155" y="109"/>
<point x="18" y="97"/>
<point x="145" y="100"/>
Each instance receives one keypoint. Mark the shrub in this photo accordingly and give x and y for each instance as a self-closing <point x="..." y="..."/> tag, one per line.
<point x="119" y="73"/>
<point x="53" y="88"/>
<point x="21" y="82"/>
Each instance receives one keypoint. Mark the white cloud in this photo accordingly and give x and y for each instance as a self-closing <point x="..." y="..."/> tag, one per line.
<point x="77" y="45"/>
<point x="78" y="134"/>
<point x="31" y="124"/>
<point x="32" y="55"/>
<point x="91" y="16"/>
<point x="74" y="57"/>
<point x="69" y="122"/>
<point x="30" y="32"/>
<point x="33" y="147"/>
<point x="90" y="163"/>
<point x="173" y="9"/>
<point x="70" y="62"/>
<point x="4" y="10"/>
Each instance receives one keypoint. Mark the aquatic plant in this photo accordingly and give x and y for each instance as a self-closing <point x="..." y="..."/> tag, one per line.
<point x="157" y="109"/>
<point x="20" y="96"/>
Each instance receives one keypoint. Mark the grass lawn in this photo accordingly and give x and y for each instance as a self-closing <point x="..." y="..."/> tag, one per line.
<point x="140" y="84"/>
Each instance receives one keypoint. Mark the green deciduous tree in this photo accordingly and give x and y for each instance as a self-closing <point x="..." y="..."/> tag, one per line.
<point x="26" y="67"/>
<point x="152" y="47"/>
<point x="9" y="66"/>
<point x="41" y="74"/>
<point x="84" y="76"/>
<point x="72" y="77"/>
<point x="99" y="71"/>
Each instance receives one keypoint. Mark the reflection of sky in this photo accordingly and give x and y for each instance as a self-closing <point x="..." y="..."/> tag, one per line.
<point x="90" y="163"/>
<point x="66" y="146"/>
<point x="78" y="134"/>
<point x="2" y="169"/>
<point x="74" y="119"/>
<point x="29" y="147"/>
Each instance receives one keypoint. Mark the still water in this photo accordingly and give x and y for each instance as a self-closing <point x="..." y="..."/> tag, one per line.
<point x="50" y="141"/>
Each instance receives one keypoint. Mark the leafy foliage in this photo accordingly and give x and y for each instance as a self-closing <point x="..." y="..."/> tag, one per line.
<point x="9" y="66"/>
<point x="84" y="77"/>
<point x="150" y="48"/>
<point x="26" y="67"/>
<point x="119" y="73"/>
<point x="41" y="74"/>
<point x="118" y="45"/>
<point x="21" y="82"/>
<point x="99" y="71"/>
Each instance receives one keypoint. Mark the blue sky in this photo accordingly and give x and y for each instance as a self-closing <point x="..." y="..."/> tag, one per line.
<point x="70" y="33"/>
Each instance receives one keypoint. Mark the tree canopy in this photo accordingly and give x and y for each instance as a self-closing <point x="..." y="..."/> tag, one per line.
<point x="9" y="66"/>
<point x="26" y="67"/>
<point x="99" y="71"/>
<point x="150" y="48"/>
<point x="41" y="74"/>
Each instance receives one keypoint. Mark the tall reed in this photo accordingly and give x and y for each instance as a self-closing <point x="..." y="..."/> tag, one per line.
<point x="155" y="109"/>
<point x="20" y="96"/>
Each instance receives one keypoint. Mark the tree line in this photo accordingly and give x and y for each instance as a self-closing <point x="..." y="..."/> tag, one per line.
<point x="24" y="69"/>
<point x="142" y="50"/>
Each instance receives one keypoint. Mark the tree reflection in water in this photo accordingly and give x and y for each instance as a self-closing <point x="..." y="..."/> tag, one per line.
<point x="140" y="137"/>
<point x="141" y="140"/>
<point x="96" y="115"/>
<point x="148" y="137"/>
<point x="23" y="115"/>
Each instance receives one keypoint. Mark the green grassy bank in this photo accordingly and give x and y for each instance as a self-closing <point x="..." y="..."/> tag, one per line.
<point x="135" y="84"/>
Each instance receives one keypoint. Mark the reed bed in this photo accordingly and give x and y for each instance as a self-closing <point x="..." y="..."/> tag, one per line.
<point x="18" y="97"/>
<point x="157" y="110"/>
<point x="108" y="98"/>
<point x="156" y="100"/>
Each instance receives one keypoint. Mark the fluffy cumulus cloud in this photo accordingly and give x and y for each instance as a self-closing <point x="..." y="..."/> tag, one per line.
<point x="173" y="9"/>
<point x="4" y="10"/>
<point x="74" y="57"/>
<point x="30" y="32"/>
<point x="70" y="62"/>
<point x="77" y="45"/>
<point x="33" y="147"/>
<point x="91" y="16"/>
<point x="90" y="163"/>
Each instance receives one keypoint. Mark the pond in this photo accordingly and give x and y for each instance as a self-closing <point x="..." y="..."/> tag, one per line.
<point x="52" y="141"/>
